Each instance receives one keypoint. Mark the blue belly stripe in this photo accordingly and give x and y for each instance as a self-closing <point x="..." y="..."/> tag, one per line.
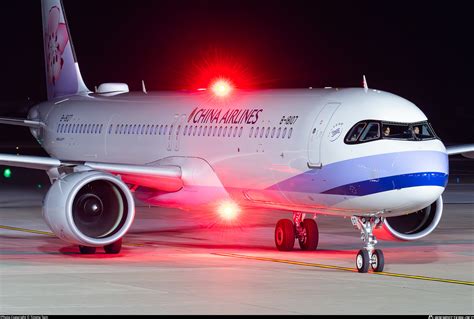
<point x="390" y="183"/>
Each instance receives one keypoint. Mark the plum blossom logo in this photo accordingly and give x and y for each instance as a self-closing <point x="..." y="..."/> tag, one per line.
<point x="335" y="131"/>
<point x="56" y="38"/>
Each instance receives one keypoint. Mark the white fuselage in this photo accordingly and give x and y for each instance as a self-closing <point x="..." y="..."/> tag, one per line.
<point x="297" y="160"/>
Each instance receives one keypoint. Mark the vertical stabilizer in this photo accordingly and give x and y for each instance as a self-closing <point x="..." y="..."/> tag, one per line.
<point x="63" y="76"/>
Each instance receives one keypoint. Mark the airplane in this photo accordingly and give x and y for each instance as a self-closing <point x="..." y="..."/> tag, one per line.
<point x="355" y="152"/>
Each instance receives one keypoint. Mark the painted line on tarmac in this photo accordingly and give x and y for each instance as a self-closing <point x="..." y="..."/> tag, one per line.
<point x="32" y="231"/>
<point x="390" y="274"/>
<point x="291" y="262"/>
<point x="47" y="233"/>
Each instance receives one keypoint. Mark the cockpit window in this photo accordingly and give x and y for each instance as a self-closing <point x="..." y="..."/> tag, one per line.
<point x="411" y="132"/>
<point x="369" y="130"/>
<point x="355" y="132"/>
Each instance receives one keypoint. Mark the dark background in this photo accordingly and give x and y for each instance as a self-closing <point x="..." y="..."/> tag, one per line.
<point x="418" y="50"/>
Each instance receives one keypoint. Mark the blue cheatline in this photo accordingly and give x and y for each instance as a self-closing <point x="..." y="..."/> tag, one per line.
<point x="390" y="183"/>
<point x="360" y="170"/>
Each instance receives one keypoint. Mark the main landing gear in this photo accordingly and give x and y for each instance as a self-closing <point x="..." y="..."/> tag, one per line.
<point x="113" y="248"/>
<point x="305" y="230"/>
<point x="368" y="256"/>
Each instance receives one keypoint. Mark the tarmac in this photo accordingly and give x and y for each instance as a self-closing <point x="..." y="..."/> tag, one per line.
<point x="176" y="262"/>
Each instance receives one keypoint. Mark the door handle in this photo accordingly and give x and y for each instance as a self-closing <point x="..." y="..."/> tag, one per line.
<point x="317" y="165"/>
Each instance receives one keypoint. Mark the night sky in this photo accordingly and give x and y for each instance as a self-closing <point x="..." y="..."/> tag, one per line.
<point x="418" y="50"/>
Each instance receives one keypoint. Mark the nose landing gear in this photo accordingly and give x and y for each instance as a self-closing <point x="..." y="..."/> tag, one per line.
<point x="368" y="256"/>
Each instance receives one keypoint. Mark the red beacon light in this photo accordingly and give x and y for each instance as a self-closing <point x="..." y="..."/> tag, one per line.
<point x="221" y="87"/>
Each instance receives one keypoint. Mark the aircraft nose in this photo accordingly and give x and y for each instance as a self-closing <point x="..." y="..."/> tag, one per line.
<point x="422" y="168"/>
<point x="425" y="175"/>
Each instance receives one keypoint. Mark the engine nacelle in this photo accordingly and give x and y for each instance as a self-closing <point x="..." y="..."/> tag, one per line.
<point x="89" y="208"/>
<point x="412" y="226"/>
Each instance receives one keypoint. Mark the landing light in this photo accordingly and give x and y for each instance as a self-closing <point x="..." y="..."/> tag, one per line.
<point x="228" y="210"/>
<point x="221" y="87"/>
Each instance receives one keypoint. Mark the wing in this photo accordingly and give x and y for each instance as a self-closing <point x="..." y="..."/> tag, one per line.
<point x="466" y="150"/>
<point x="165" y="178"/>
<point x="21" y="122"/>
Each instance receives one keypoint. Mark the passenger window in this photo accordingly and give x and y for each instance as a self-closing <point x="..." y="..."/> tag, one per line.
<point x="261" y="132"/>
<point x="240" y="132"/>
<point x="284" y="133"/>
<point x="371" y="132"/>
<point x="290" y="132"/>
<point x="251" y="131"/>
<point x="268" y="132"/>
<point x="204" y="131"/>
<point x="225" y="130"/>
<point x="278" y="132"/>
<point x="200" y="130"/>
<point x="256" y="132"/>
<point x="220" y="130"/>
<point x="177" y="130"/>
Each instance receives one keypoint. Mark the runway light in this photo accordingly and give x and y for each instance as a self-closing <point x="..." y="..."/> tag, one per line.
<point x="228" y="210"/>
<point x="7" y="173"/>
<point x="221" y="87"/>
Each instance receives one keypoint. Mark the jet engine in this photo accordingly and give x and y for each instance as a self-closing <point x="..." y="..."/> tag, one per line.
<point x="89" y="208"/>
<point x="412" y="226"/>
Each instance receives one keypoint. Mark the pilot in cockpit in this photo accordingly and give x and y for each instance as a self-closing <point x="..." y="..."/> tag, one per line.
<point x="416" y="132"/>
